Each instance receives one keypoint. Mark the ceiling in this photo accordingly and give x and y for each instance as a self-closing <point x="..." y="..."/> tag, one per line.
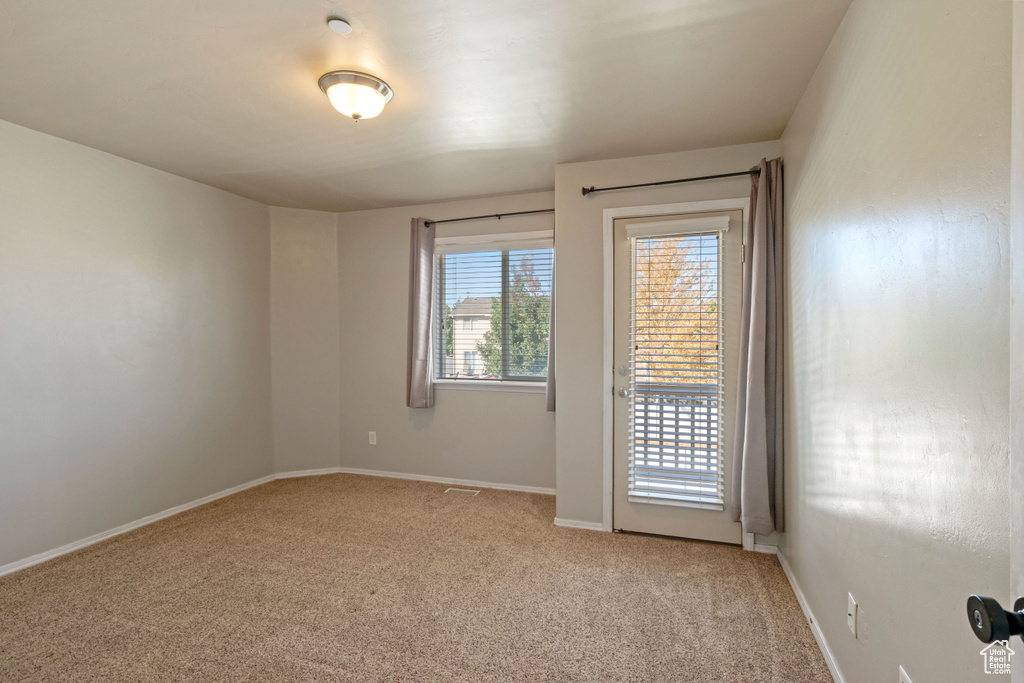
<point x="489" y="94"/>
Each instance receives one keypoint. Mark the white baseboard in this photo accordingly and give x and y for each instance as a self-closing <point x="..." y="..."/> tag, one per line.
<point x="445" y="480"/>
<point x="576" y="524"/>
<point x="826" y="652"/>
<point x="96" y="538"/>
<point x="307" y="473"/>
<point x="117" y="531"/>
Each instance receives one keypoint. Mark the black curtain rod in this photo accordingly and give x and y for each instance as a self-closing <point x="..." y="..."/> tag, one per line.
<point x="499" y="216"/>
<point x="587" y="191"/>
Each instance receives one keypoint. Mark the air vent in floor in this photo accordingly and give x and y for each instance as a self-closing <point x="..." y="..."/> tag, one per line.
<point x="462" y="492"/>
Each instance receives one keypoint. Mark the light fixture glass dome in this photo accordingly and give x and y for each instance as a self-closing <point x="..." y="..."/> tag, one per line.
<point x="355" y="94"/>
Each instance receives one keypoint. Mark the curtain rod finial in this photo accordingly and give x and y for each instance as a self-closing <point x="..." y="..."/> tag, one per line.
<point x="588" y="190"/>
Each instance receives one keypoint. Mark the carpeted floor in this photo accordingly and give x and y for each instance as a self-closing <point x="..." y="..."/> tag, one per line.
<point x="352" y="578"/>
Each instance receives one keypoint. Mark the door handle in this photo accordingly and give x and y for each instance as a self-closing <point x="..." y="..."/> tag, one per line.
<point x="623" y="393"/>
<point x="990" y="622"/>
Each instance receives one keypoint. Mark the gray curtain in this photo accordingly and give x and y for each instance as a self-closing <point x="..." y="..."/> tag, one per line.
<point x="551" y="347"/>
<point x="420" y="381"/>
<point x="757" y="496"/>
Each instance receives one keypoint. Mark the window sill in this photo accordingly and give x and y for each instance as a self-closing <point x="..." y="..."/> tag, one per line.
<point x="478" y="385"/>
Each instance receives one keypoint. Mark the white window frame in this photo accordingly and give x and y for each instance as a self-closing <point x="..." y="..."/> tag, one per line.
<point x="537" y="239"/>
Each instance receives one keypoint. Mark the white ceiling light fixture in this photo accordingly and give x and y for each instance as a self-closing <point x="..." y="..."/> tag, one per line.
<point x="355" y="94"/>
<point x="339" y="25"/>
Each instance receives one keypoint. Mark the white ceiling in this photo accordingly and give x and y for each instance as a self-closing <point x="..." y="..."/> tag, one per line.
<point x="489" y="94"/>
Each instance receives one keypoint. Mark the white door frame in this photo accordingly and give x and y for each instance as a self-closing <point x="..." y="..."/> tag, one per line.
<point x="610" y="215"/>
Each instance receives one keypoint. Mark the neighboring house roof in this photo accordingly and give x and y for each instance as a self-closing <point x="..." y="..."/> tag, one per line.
<point x="473" y="306"/>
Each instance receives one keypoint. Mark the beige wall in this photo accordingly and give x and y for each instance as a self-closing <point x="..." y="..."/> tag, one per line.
<point x="134" y="356"/>
<point x="897" y="167"/>
<point x="1017" y="320"/>
<point x="579" y="327"/>
<point x="304" y="338"/>
<point x="498" y="437"/>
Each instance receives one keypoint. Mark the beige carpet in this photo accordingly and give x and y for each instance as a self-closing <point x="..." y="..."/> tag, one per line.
<point x="352" y="578"/>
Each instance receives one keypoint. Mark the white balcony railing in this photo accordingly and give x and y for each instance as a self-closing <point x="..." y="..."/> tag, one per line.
<point x="675" y="448"/>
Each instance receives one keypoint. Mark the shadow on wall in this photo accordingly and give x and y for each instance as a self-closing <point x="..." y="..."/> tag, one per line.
<point x="898" y="432"/>
<point x="891" y="380"/>
<point x="906" y="560"/>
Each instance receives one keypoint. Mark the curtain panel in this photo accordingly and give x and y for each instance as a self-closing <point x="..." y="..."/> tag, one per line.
<point x="420" y="379"/>
<point x="757" y="493"/>
<point x="550" y="388"/>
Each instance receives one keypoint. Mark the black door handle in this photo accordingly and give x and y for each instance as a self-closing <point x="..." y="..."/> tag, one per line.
<point x="990" y="622"/>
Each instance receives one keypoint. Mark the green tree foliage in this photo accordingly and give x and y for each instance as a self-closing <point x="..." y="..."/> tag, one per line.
<point x="529" y="321"/>
<point x="676" y="309"/>
<point x="449" y="332"/>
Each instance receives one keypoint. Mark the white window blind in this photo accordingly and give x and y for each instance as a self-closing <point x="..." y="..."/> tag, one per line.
<point x="494" y="304"/>
<point x="676" y="396"/>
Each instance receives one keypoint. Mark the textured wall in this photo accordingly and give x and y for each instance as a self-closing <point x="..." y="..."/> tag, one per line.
<point x="579" y="286"/>
<point x="304" y="338"/>
<point x="1017" y="318"/>
<point x="134" y="357"/>
<point x="897" y="170"/>
<point x="490" y="436"/>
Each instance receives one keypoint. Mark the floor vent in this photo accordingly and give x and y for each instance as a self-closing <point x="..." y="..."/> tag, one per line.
<point x="462" y="492"/>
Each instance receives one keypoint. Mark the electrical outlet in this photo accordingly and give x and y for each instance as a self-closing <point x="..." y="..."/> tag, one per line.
<point x="373" y="438"/>
<point x="904" y="678"/>
<point x="851" y="614"/>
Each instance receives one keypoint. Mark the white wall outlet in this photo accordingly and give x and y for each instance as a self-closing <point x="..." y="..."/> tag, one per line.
<point x="904" y="678"/>
<point x="851" y="614"/>
<point x="373" y="438"/>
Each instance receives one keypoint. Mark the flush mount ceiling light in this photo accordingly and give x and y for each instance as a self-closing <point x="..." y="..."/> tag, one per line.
<point x="339" y="25"/>
<point x="355" y="94"/>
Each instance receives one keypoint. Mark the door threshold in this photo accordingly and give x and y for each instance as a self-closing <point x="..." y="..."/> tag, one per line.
<point x="678" y="538"/>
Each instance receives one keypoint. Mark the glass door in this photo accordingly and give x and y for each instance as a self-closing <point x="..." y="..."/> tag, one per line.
<point x="676" y="316"/>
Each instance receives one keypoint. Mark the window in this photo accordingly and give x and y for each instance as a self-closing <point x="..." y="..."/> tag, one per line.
<point x="677" y="360"/>
<point x="493" y="307"/>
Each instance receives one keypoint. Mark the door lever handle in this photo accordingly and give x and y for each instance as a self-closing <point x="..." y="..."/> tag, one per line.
<point x="990" y="622"/>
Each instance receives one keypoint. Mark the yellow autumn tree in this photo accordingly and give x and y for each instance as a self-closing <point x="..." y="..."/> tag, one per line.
<point x="676" y="309"/>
